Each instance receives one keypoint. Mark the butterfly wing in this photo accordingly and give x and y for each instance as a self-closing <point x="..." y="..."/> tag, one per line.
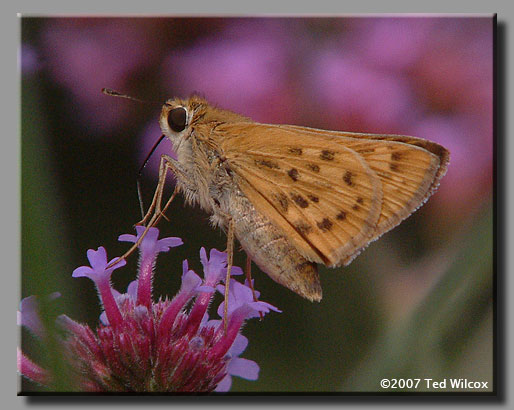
<point x="330" y="193"/>
<point x="302" y="189"/>
<point x="409" y="170"/>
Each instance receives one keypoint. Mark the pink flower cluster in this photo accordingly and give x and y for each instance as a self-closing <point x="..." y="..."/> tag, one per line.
<point x="146" y="346"/>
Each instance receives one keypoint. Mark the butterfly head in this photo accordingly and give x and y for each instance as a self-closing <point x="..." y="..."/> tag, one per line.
<point x="179" y="118"/>
<point x="175" y="119"/>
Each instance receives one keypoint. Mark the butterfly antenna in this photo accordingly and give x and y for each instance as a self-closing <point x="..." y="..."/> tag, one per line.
<point x="113" y="93"/>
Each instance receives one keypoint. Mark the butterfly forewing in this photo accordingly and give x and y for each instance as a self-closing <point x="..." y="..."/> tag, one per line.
<point x="321" y="190"/>
<point x="409" y="169"/>
<point x="332" y="192"/>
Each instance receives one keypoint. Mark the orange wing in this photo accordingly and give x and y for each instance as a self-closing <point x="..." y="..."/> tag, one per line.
<point x="330" y="192"/>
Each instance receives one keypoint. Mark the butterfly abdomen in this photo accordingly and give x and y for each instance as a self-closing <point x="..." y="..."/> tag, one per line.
<point x="272" y="251"/>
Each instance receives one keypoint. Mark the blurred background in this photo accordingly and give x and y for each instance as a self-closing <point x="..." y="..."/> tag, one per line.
<point x="416" y="303"/>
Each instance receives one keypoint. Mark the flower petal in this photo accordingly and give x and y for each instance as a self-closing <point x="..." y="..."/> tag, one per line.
<point x="165" y="244"/>
<point x="203" y="258"/>
<point x="224" y="385"/>
<point x="119" y="264"/>
<point x="234" y="271"/>
<point x="205" y="288"/>
<point x="28" y="315"/>
<point x="185" y="267"/>
<point x="247" y="369"/>
<point x="97" y="259"/>
<point x="132" y="290"/>
<point x="190" y="282"/>
<point x="264" y="307"/>
<point x="239" y="345"/>
<point x="126" y="237"/>
<point x="82" y="271"/>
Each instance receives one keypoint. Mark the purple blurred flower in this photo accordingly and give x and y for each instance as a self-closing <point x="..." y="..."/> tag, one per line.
<point x="351" y="96"/>
<point x="392" y="43"/>
<point x="426" y="77"/>
<point x="146" y="346"/>
<point x="28" y="315"/>
<point x="83" y="55"/>
<point x="29" y="61"/>
<point x="455" y="74"/>
<point x="244" y="69"/>
<point x="470" y="174"/>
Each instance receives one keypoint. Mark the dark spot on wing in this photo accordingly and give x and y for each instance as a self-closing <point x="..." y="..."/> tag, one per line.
<point x="327" y="155"/>
<point x="325" y="224"/>
<point x="295" y="151"/>
<point x="303" y="228"/>
<point x="347" y="178"/>
<point x="299" y="200"/>
<point x="313" y="167"/>
<point x="293" y="173"/>
<point x="267" y="163"/>
<point x="396" y="156"/>
<point x="282" y="201"/>
<point x="341" y="216"/>
<point x="356" y="206"/>
<point x="313" y="198"/>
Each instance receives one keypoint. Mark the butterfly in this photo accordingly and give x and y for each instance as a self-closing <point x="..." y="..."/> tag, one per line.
<point x="294" y="197"/>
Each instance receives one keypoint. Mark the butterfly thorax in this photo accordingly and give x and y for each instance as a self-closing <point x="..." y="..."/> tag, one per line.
<point x="206" y="179"/>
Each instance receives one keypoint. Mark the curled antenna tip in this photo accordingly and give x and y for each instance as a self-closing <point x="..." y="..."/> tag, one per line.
<point x="114" y="93"/>
<point x="110" y="91"/>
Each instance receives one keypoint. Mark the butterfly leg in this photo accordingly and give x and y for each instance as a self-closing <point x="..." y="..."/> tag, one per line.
<point x="230" y="259"/>
<point x="167" y="164"/>
<point x="248" y="272"/>
<point x="155" y="212"/>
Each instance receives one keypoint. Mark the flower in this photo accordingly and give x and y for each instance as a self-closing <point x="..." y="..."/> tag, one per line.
<point x="244" y="68"/>
<point x="28" y="315"/>
<point x="146" y="346"/>
<point x="238" y="366"/>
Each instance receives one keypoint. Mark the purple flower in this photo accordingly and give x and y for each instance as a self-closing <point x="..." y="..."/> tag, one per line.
<point x="146" y="346"/>
<point x="28" y="315"/>
<point x="356" y="97"/>
<point x="244" y="67"/>
<point x="29" y="60"/>
<point x="149" y="248"/>
<point x="84" y="55"/>
<point x="101" y="275"/>
<point x="240" y="296"/>
<point x="238" y="366"/>
<point x="215" y="268"/>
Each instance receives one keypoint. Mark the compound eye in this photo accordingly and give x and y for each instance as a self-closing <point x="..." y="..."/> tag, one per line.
<point x="177" y="119"/>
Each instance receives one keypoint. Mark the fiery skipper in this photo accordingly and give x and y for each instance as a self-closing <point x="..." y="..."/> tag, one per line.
<point x="294" y="196"/>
